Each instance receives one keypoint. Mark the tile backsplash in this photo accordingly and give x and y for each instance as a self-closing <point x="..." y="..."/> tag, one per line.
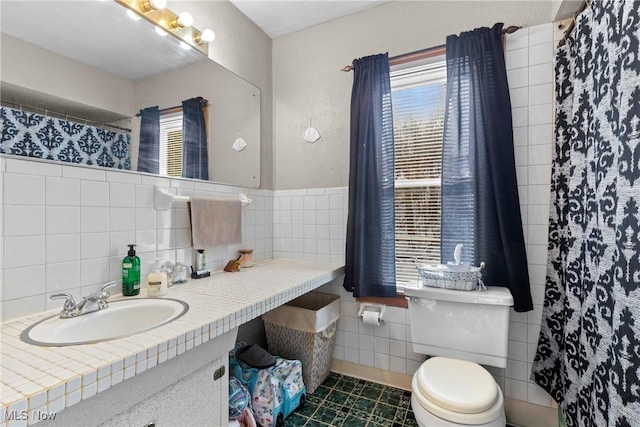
<point x="66" y="229"/>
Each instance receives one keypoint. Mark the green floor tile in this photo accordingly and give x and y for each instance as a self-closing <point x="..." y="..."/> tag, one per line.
<point x="385" y="411"/>
<point x="308" y="409"/>
<point x="400" y="415"/>
<point x="351" y="402"/>
<point x="333" y="405"/>
<point x="331" y="380"/>
<point x="295" y="420"/>
<point x="314" y="398"/>
<point x="410" y="420"/>
<point x="391" y="396"/>
<point x="340" y="418"/>
<point x="321" y="392"/>
<point x="346" y="386"/>
<point x="364" y="404"/>
<point x="315" y="423"/>
<point x="371" y="392"/>
<point x="379" y="422"/>
<point x="338" y="396"/>
<point x="352" y="421"/>
<point x="325" y="415"/>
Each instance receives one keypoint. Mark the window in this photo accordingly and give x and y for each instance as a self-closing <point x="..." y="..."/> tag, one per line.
<point x="171" y="145"/>
<point x="418" y="99"/>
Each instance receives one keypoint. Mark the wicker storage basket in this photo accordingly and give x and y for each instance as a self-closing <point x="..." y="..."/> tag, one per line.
<point x="437" y="276"/>
<point x="304" y="329"/>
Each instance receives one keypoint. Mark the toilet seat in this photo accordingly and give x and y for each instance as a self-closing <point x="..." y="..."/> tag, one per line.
<point x="458" y="391"/>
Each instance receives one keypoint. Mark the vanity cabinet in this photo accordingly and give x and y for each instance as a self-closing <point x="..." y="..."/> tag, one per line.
<point x="196" y="400"/>
<point x="190" y="389"/>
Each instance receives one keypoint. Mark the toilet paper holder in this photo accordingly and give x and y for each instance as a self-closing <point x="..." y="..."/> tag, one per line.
<point x="381" y="309"/>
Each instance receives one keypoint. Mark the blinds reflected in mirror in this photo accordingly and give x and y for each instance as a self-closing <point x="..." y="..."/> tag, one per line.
<point x="171" y="145"/>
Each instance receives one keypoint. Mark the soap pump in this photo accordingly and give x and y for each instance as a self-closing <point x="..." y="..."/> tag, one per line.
<point x="157" y="281"/>
<point x="131" y="273"/>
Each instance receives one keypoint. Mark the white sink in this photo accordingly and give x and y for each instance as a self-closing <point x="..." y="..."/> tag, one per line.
<point x="120" y="319"/>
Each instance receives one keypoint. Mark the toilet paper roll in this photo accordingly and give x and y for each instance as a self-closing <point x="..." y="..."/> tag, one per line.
<point x="371" y="318"/>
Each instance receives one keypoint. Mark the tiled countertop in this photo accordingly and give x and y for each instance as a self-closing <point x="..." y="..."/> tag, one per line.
<point x="49" y="379"/>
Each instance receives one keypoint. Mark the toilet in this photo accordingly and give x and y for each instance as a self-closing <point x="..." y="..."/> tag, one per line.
<point x="460" y="330"/>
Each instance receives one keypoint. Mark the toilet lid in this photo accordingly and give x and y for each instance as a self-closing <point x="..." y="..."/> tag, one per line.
<point x="457" y="385"/>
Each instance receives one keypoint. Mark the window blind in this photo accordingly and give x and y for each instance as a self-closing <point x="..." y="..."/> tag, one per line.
<point x="171" y="145"/>
<point x="418" y="96"/>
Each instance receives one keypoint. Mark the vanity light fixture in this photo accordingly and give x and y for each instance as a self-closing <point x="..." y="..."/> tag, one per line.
<point x="184" y="45"/>
<point x="150" y="5"/>
<point x="206" y="36"/>
<point x="185" y="19"/>
<point x="179" y="26"/>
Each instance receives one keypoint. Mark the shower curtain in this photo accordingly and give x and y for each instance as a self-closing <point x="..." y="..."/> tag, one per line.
<point x="588" y="354"/>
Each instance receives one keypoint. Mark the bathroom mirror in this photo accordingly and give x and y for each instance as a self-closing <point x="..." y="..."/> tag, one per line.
<point x="89" y="61"/>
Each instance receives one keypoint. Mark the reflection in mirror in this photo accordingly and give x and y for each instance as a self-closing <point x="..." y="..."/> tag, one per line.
<point x="101" y="68"/>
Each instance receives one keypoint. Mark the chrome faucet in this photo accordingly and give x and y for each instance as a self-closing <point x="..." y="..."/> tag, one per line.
<point x="94" y="302"/>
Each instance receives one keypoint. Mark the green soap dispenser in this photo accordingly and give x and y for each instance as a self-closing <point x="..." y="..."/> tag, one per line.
<point x="131" y="273"/>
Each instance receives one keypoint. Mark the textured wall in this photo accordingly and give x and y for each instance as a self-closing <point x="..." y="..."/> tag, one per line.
<point x="308" y="83"/>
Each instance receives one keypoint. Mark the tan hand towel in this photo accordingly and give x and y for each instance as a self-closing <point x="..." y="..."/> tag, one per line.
<point x="215" y="222"/>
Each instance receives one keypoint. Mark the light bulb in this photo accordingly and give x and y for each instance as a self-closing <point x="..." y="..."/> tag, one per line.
<point x="185" y="19"/>
<point x="158" y="4"/>
<point x="184" y="45"/>
<point x="131" y="14"/>
<point x="160" y="32"/>
<point x="207" y="35"/>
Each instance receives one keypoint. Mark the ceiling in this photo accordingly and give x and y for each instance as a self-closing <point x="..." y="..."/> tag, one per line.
<point x="278" y="18"/>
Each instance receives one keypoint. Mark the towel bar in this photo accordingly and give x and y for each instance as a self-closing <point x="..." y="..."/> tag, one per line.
<point x="163" y="199"/>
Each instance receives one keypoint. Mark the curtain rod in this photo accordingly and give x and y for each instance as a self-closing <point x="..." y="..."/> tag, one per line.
<point x="426" y="53"/>
<point x="177" y="108"/>
<point x="54" y="114"/>
<point x="585" y="4"/>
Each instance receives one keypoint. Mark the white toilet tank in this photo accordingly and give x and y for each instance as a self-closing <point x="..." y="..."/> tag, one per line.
<point x="467" y="325"/>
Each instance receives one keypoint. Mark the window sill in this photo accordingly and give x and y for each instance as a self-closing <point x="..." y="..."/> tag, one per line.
<point x="398" y="301"/>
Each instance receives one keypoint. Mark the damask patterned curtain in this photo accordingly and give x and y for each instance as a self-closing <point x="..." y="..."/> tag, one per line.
<point x="588" y="355"/>
<point x="40" y="136"/>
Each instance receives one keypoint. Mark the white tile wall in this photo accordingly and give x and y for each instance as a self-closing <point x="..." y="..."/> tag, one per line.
<point x="66" y="228"/>
<point x="311" y="225"/>
<point x="529" y="57"/>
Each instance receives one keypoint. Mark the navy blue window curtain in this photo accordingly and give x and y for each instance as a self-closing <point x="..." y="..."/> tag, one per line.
<point x="149" y="150"/>
<point x="370" y="244"/>
<point x="195" y="160"/>
<point x="480" y="205"/>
